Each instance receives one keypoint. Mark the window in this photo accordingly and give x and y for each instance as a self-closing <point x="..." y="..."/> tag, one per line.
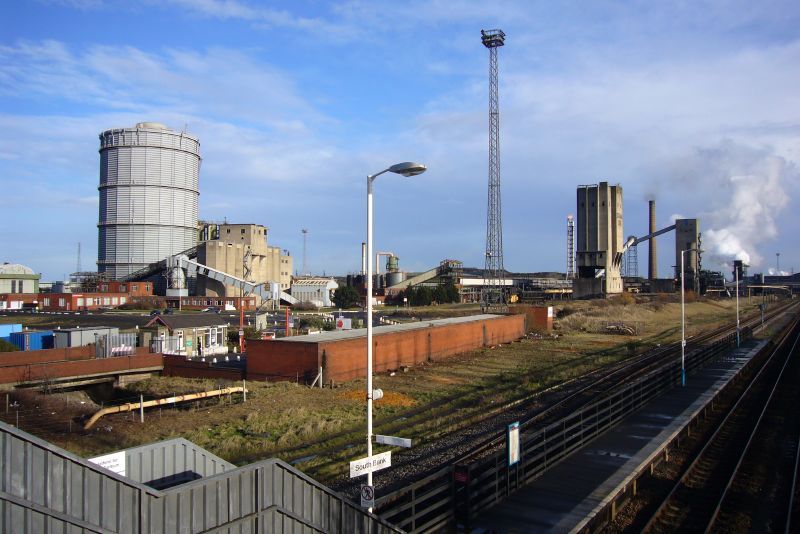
<point x="114" y="301"/>
<point x="47" y="301"/>
<point x="13" y="286"/>
<point x="80" y="302"/>
<point x="242" y="231"/>
<point x="134" y="287"/>
<point x="62" y="302"/>
<point x="228" y="231"/>
<point x="123" y="300"/>
<point x="106" y="301"/>
<point x="214" y="336"/>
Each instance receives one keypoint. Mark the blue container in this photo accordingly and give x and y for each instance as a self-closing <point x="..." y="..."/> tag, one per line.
<point x="32" y="339"/>
<point x="7" y="329"/>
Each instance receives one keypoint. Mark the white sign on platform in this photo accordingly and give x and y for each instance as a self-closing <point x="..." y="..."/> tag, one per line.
<point x="513" y="443"/>
<point x="370" y="465"/>
<point x="367" y="496"/>
<point x="392" y="440"/>
<point x="113" y="462"/>
<point x="344" y="324"/>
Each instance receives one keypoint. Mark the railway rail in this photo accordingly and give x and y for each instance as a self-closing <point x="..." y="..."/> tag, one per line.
<point x="420" y="504"/>
<point x="742" y="478"/>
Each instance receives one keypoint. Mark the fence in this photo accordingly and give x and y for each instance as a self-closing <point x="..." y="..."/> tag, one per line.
<point x="456" y="494"/>
<point x="115" y="345"/>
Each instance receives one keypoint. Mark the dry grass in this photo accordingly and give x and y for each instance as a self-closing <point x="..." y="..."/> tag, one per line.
<point x="289" y="420"/>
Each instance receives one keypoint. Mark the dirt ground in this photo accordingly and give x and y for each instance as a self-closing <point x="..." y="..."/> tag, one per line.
<point x="289" y="420"/>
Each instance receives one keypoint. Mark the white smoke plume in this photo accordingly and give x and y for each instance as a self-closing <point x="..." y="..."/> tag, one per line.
<point x="756" y="200"/>
<point x="742" y="191"/>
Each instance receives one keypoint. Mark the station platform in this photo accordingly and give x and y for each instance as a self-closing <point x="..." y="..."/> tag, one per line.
<point x="568" y="496"/>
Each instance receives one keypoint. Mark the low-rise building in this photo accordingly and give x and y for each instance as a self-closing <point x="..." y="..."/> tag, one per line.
<point x="16" y="278"/>
<point x="193" y="336"/>
<point x="317" y="291"/>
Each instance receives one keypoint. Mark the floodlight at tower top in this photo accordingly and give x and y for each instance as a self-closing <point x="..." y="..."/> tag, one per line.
<point x="493" y="38"/>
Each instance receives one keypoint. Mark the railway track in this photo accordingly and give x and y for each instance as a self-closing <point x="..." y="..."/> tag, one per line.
<point x="487" y="433"/>
<point x="741" y="478"/>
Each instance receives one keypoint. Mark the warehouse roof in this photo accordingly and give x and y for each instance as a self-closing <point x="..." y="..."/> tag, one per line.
<point x="389" y="329"/>
<point x="174" y="322"/>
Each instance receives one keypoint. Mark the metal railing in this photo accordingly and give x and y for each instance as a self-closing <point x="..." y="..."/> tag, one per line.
<point x="457" y="493"/>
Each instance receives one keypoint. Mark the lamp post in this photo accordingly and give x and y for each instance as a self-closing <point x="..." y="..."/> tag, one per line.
<point x="407" y="169"/>
<point x="683" y="320"/>
<point x="736" y="277"/>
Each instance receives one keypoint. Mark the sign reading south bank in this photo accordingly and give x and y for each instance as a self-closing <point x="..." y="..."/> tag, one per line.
<point x="371" y="464"/>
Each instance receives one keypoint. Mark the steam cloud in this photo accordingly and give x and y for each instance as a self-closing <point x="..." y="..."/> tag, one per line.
<point x="746" y="189"/>
<point x="756" y="200"/>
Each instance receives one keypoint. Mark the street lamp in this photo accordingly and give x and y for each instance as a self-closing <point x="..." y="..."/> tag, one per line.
<point x="736" y="277"/>
<point x="407" y="169"/>
<point x="683" y="320"/>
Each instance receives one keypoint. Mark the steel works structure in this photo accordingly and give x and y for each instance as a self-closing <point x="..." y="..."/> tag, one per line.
<point x="149" y="189"/>
<point x="493" y="295"/>
<point x="570" y="247"/>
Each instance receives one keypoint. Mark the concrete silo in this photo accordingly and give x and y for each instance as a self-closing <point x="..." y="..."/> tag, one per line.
<point x="149" y="179"/>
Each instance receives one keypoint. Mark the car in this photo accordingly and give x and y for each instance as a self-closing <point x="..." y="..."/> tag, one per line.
<point x="212" y="309"/>
<point x="168" y="311"/>
<point x="155" y="312"/>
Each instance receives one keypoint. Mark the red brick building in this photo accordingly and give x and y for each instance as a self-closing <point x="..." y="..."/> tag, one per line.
<point x="342" y="354"/>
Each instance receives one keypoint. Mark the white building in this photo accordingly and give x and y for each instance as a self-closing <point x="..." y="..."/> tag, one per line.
<point x="317" y="291"/>
<point x="16" y="278"/>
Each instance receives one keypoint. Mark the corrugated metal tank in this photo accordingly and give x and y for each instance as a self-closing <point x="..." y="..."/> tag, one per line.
<point x="394" y="278"/>
<point x="149" y="189"/>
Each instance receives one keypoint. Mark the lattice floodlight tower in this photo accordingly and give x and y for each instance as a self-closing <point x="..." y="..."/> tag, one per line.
<point x="493" y="294"/>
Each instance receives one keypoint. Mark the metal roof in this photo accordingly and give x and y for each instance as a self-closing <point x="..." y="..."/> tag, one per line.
<point x="174" y="322"/>
<point x="388" y="329"/>
<point x="46" y="489"/>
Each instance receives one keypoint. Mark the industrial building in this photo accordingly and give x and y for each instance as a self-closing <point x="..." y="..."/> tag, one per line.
<point x="317" y="291"/>
<point x="600" y="240"/>
<point x="16" y="278"/>
<point x="243" y="251"/>
<point x="149" y="189"/>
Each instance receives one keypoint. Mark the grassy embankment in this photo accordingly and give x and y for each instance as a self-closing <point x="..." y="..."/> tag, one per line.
<point x="290" y="421"/>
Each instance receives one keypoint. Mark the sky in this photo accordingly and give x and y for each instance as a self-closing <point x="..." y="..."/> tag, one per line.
<point x="693" y="104"/>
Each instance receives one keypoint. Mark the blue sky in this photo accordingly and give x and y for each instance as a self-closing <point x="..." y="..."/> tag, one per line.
<point x="692" y="103"/>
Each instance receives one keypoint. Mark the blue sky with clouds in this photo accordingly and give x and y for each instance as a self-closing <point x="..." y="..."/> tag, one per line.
<point x="692" y="103"/>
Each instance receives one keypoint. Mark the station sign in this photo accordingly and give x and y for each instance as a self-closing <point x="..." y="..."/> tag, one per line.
<point x="513" y="443"/>
<point x="113" y="462"/>
<point x="370" y="464"/>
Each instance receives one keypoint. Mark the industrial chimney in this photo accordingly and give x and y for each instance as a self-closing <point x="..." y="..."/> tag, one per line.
<point x="652" y="269"/>
<point x="363" y="258"/>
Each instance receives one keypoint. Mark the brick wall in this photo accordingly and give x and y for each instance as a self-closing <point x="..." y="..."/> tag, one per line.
<point x="290" y="361"/>
<point x="180" y="366"/>
<point x="61" y="369"/>
<point x="346" y="359"/>
<point x="538" y="317"/>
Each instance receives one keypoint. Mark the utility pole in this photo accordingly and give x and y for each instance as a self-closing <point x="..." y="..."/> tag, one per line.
<point x="493" y="293"/>
<point x="305" y="235"/>
<point x="78" y="269"/>
<point x="777" y="263"/>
